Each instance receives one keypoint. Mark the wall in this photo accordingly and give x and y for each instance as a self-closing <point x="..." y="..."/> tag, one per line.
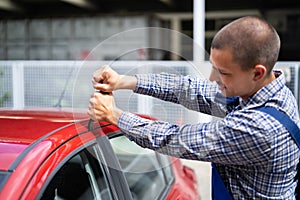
<point x="70" y="38"/>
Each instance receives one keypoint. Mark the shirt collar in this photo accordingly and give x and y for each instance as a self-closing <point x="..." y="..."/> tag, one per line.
<point x="258" y="99"/>
<point x="267" y="92"/>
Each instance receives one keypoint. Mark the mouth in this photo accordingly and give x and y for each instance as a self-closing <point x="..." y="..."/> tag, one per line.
<point x="221" y="86"/>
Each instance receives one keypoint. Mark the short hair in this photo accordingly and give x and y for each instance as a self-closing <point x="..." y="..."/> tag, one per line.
<point x="251" y="40"/>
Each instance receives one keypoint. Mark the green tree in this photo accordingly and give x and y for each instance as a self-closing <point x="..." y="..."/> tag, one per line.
<point x="6" y="95"/>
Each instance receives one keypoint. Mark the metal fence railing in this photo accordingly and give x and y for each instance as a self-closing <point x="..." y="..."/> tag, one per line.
<point x="67" y="84"/>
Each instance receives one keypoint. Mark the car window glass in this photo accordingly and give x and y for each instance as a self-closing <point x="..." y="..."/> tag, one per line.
<point x="167" y="167"/>
<point x="81" y="177"/>
<point x="3" y="178"/>
<point x="141" y="167"/>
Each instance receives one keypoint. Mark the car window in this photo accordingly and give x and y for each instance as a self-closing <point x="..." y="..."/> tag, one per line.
<point x="81" y="177"/>
<point x="167" y="167"/>
<point x="3" y="177"/>
<point x="141" y="167"/>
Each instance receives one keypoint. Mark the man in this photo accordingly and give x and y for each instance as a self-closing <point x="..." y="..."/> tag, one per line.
<point x="254" y="153"/>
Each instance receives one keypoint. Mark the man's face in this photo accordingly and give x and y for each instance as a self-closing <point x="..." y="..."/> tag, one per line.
<point x="229" y="76"/>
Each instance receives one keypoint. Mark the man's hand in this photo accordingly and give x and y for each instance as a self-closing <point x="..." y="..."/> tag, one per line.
<point x="102" y="108"/>
<point x="107" y="80"/>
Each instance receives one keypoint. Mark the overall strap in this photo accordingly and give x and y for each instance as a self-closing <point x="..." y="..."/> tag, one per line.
<point x="285" y="120"/>
<point x="219" y="191"/>
<point x="291" y="126"/>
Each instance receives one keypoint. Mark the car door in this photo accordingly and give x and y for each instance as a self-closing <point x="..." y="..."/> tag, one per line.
<point x="148" y="174"/>
<point x="86" y="174"/>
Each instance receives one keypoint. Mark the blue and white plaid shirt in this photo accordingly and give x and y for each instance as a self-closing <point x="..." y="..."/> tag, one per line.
<point x="254" y="153"/>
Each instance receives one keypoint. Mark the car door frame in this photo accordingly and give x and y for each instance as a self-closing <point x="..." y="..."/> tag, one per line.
<point x="113" y="167"/>
<point x="114" y="176"/>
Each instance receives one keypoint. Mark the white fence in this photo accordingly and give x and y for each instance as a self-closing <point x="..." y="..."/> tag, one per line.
<point x="67" y="84"/>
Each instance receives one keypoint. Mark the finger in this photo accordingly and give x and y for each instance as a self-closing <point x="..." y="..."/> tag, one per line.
<point x="94" y="103"/>
<point x="91" y="102"/>
<point x="92" y="115"/>
<point x="101" y="87"/>
<point x="96" y="99"/>
<point x="96" y="85"/>
<point x="105" y="68"/>
<point x="94" y="110"/>
<point x="96" y="113"/>
<point x="97" y="95"/>
<point x="98" y="74"/>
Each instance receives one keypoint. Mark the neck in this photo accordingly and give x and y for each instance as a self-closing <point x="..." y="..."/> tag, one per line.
<point x="268" y="79"/>
<point x="264" y="82"/>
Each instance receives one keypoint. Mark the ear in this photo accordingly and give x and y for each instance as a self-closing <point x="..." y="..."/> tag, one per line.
<point x="259" y="72"/>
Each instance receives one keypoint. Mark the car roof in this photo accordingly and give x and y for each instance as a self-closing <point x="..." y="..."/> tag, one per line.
<point x="25" y="126"/>
<point x="21" y="129"/>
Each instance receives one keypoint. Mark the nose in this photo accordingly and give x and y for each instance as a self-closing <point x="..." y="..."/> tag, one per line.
<point x="214" y="75"/>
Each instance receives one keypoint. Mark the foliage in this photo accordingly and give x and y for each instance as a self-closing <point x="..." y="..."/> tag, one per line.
<point x="6" y="96"/>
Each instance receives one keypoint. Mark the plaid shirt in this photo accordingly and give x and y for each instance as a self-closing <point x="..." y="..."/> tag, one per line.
<point x="254" y="153"/>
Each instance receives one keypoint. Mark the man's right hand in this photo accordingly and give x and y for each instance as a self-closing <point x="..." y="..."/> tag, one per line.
<point x="107" y="80"/>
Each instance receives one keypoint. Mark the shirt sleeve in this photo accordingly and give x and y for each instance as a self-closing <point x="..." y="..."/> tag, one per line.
<point x="233" y="140"/>
<point x="194" y="93"/>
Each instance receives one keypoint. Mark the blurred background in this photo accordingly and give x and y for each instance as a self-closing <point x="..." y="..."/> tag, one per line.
<point x="49" y="49"/>
<point x="75" y="30"/>
<point x="68" y="29"/>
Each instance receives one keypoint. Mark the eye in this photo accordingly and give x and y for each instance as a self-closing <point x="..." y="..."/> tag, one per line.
<point x="223" y="73"/>
<point x="220" y="71"/>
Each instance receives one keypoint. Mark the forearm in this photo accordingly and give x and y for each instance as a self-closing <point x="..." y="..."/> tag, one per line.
<point x="201" y="141"/>
<point x="187" y="141"/>
<point x="142" y="132"/>
<point x="194" y="94"/>
<point x="126" y="82"/>
<point x="115" y="116"/>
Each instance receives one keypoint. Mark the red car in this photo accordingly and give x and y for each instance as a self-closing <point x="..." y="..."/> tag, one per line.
<point x="46" y="154"/>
